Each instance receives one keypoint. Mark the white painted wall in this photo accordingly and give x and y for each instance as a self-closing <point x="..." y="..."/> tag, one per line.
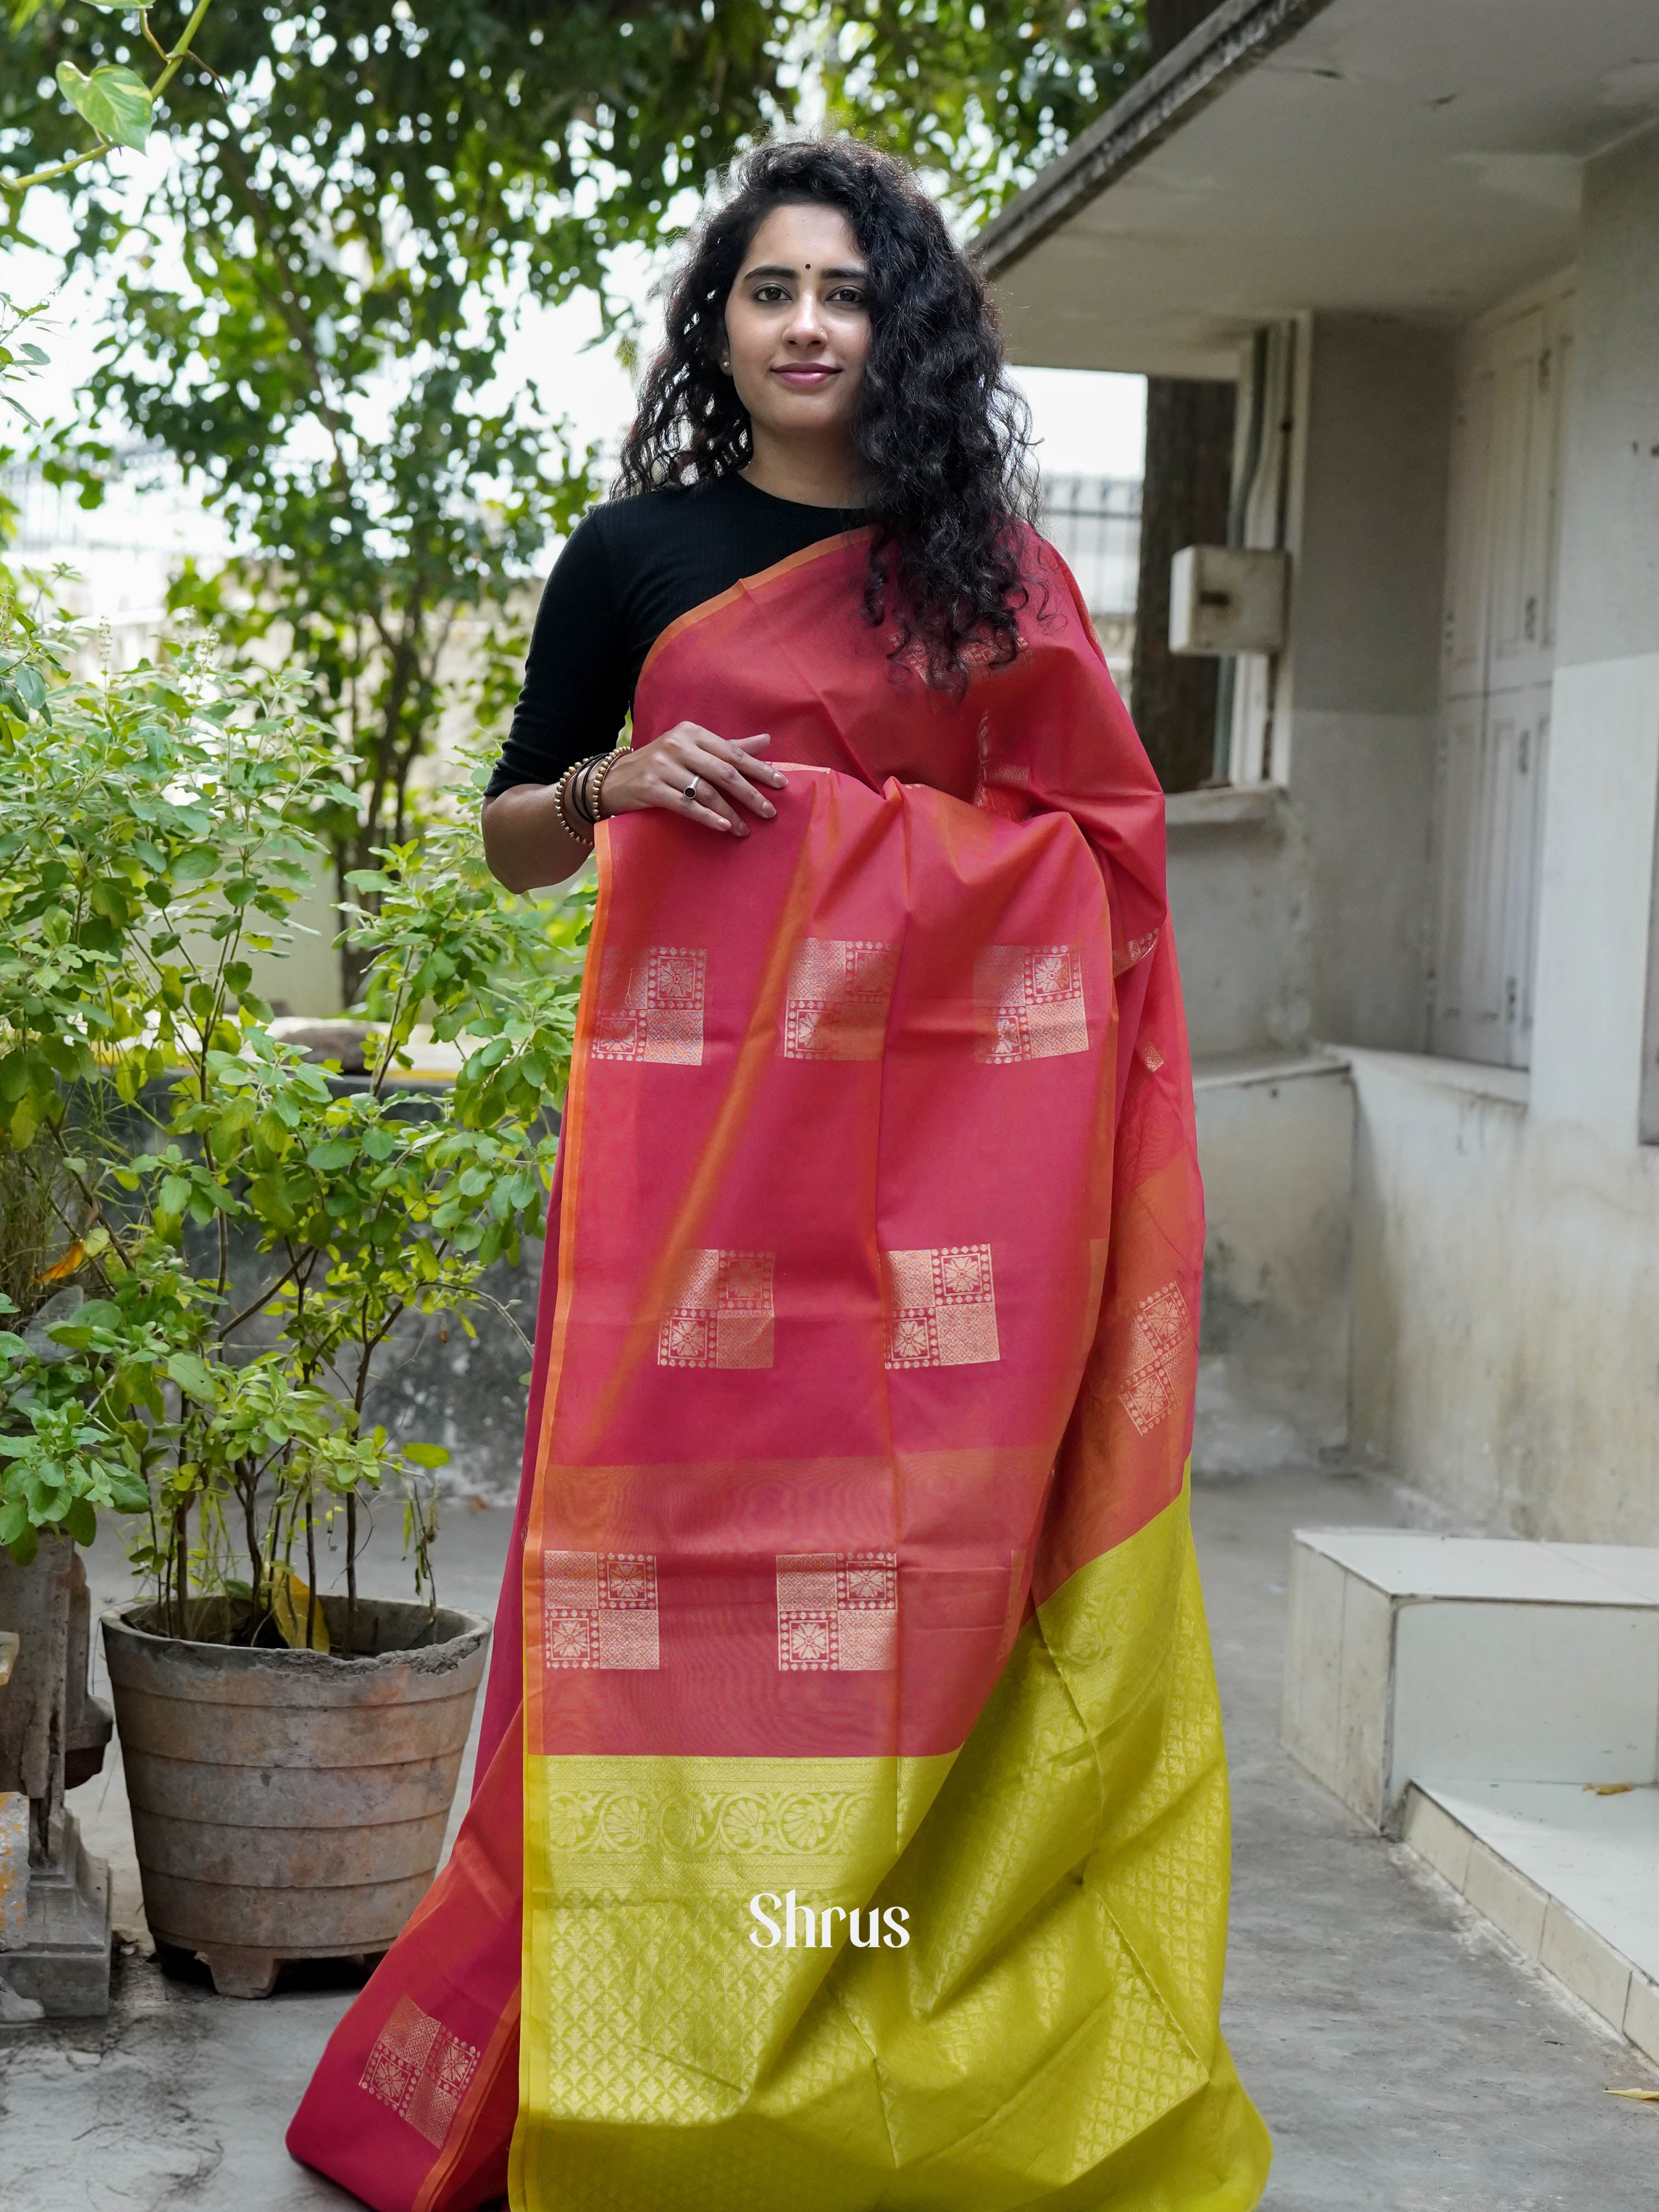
<point x="1505" y="1304"/>
<point x="1275" y="1143"/>
<point x="1506" y="1256"/>
<point x="1361" y="675"/>
<point x="304" y="977"/>
<point x="1310" y="917"/>
<point x="1236" y="898"/>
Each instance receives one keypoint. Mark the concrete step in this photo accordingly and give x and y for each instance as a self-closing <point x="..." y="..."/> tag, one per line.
<point x="1412" y="1655"/>
<point x="1497" y="1704"/>
<point x="1569" y="1873"/>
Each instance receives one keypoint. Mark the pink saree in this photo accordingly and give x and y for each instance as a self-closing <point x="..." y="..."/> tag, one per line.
<point x="851" y="1828"/>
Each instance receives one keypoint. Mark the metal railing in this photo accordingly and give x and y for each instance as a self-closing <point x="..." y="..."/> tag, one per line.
<point x="1095" y="522"/>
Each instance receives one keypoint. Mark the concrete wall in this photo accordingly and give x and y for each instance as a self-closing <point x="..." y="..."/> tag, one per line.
<point x="1361" y="676"/>
<point x="1504" y="1232"/>
<point x="1506" y="1254"/>
<point x="1310" y="917"/>
<point x="1275" y="1143"/>
<point x="1237" y="901"/>
<point x="1505" y="1305"/>
<point x="1506" y="1245"/>
<point x="304" y="977"/>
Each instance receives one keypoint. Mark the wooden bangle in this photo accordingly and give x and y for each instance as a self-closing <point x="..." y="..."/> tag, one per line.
<point x="560" y="794"/>
<point x="581" y="777"/>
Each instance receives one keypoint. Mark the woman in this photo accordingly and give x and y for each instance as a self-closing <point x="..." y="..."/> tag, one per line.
<point x="852" y="1745"/>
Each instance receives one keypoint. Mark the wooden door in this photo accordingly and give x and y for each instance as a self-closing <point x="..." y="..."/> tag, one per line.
<point x="1498" y="660"/>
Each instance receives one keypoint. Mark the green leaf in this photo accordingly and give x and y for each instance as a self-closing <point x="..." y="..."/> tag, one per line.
<point x="191" y="1376"/>
<point x="195" y="865"/>
<point x="115" y="102"/>
<point x="129" y="1494"/>
<point x="79" y="1521"/>
<point x="425" y="1455"/>
<point x="110" y="899"/>
<point x="70" y="1335"/>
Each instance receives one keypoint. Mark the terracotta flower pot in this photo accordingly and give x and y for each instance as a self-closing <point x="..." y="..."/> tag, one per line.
<point x="291" y="1804"/>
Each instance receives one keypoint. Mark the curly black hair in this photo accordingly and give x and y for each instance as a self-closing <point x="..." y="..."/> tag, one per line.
<point x="945" y="438"/>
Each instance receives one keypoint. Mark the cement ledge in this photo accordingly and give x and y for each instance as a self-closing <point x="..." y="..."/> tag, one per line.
<point x="1234" y="1071"/>
<point x="1539" y="1925"/>
<point x="1227" y="806"/>
<point x="1233" y="38"/>
<point x="1508" y="1086"/>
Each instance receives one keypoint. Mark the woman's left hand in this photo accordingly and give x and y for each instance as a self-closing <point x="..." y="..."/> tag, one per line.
<point x="689" y="771"/>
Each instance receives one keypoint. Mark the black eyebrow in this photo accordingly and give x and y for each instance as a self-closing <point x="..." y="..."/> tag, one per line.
<point x="777" y="269"/>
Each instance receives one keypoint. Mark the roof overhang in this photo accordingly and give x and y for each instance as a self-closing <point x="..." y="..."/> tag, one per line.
<point x="1422" y="158"/>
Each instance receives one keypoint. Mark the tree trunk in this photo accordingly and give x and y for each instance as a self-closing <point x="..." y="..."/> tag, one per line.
<point x="1183" y="501"/>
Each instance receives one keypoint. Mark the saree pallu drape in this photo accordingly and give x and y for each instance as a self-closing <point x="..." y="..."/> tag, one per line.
<point x="851" y="1827"/>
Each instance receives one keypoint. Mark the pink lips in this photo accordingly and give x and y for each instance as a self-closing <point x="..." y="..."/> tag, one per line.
<point x="808" y="379"/>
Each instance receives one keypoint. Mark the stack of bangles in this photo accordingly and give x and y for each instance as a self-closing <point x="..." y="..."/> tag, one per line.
<point x="576" y="794"/>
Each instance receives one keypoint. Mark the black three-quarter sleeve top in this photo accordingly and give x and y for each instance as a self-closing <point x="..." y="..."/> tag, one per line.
<point x="629" y="569"/>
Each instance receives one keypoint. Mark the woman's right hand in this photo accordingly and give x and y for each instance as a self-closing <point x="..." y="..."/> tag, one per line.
<point x="724" y="775"/>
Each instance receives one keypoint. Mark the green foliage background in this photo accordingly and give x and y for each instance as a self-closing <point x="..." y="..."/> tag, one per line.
<point x="309" y="271"/>
<point x="154" y="834"/>
<point x="309" y="284"/>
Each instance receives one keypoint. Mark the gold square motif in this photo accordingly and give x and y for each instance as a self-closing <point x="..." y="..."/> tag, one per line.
<point x="1028" y="1003"/>
<point x="940" y="1307"/>
<point x="837" y="1612"/>
<point x="722" y="1312"/>
<point x="419" y="2068"/>
<point x="839" y="993"/>
<point x="651" y="1006"/>
<point x="599" y="1610"/>
<point x="1159" y="1340"/>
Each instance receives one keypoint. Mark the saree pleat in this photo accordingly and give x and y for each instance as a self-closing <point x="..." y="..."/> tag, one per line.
<point x="859" y="1837"/>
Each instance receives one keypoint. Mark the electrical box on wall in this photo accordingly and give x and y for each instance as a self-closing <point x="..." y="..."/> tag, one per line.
<point x="1228" y="599"/>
